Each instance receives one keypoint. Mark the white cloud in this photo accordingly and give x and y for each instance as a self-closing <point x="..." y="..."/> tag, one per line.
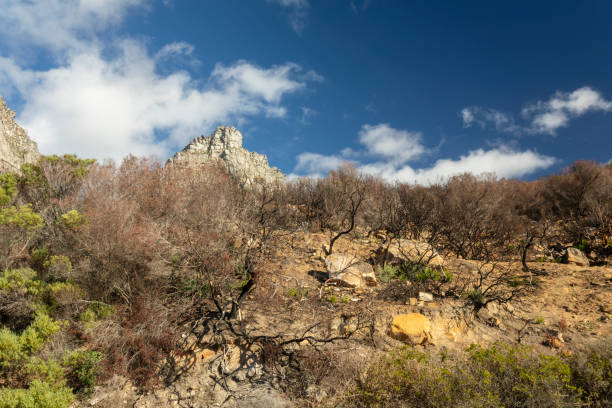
<point x="60" y="25"/>
<point x="316" y="165"/>
<point x="485" y="117"/>
<point x="542" y="117"/>
<point x="269" y="84"/>
<point x="298" y="12"/>
<point x="111" y="98"/>
<point x="503" y="161"/>
<point x="307" y="114"/>
<point x="399" y="146"/>
<point x="100" y="108"/>
<point x="174" y="49"/>
<point x="547" y="117"/>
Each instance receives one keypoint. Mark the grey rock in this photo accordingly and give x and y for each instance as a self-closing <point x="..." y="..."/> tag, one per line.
<point x="349" y="271"/>
<point x="425" y="297"/>
<point x="225" y="145"/>
<point x="575" y="256"/>
<point x="16" y="148"/>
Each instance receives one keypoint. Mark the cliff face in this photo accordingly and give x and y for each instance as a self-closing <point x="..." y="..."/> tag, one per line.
<point x="225" y="144"/>
<point x="16" y="148"/>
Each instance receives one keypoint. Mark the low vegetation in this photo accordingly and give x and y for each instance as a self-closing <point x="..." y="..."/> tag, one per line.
<point x="501" y="375"/>
<point x="104" y="266"/>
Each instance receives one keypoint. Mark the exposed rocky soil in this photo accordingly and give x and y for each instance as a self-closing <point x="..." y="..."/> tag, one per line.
<point x="571" y="307"/>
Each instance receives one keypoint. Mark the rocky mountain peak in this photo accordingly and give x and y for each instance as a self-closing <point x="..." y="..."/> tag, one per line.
<point x="16" y="148"/>
<point x="225" y="144"/>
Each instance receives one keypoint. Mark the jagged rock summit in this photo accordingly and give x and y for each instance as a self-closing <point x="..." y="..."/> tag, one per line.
<point x="16" y="148"/>
<point x="225" y="144"/>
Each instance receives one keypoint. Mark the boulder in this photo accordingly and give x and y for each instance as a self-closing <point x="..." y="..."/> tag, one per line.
<point x="575" y="256"/>
<point x="349" y="271"/>
<point x="414" y="251"/>
<point x="412" y="328"/>
<point x="425" y="297"/>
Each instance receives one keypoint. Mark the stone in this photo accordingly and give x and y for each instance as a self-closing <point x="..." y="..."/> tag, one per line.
<point x="575" y="256"/>
<point x="349" y="271"/>
<point x="425" y="297"/>
<point x="225" y="146"/>
<point x="412" y="328"/>
<point x="412" y="301"/>
<point x="16" y="148"/>
<point x="414" y="251"/>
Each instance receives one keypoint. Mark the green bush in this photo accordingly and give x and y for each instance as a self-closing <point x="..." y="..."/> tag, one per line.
<point x="72" y="219"/>
<point x="83" y="370"/>
<point x="497" y="376"/>
<point x="22" y="218"/>
<point x="38" y="395"/>
<point x="8" y="188"/>
<point x="58" y="267"/>
<point x="592" y="374"/>
<point x="95" y="311"/>
<point x="387" y="272"/>
<point x="298" y="293"/>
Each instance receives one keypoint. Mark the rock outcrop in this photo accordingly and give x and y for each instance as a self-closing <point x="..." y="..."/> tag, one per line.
<point x="575" y="256"/>
<point x="225" y="144"/>
<point x="348" y="271"/>
<point x="412" y="328"/>
<point x="16" y="148"/>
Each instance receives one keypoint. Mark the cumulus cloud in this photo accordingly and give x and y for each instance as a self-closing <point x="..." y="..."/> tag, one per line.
<point x="392" y="165"/>
<point x="101" y="108"/>
<point x="298" y="12"/>
<point x="317" y="165"/>
<point x="108" y="100"/>
<point x="399" y="146"/>
<point x="542" y="117"/>
<point x="548" y="116"/>
<point x="61" y="25"/>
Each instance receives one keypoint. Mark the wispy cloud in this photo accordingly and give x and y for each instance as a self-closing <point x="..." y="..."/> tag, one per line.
<point x="541" y="117"/>
<point x="298" y="12"/>
<point x="360" y="5"/>
<point x="108" y="99"/>
<point x="392" y="150"/>
<point x="307" y="114"/>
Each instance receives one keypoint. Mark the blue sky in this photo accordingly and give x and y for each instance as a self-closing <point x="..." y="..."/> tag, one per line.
<point x="408" y="90"/>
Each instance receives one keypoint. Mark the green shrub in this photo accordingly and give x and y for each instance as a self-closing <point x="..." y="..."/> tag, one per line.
<point x="521" y="377"/>
<point x="592" y="374"/>
<point x="387" y="272"/>
<point x="23" y="218"/>
<point x="583" y="245"/>
<point x="58" y="267"/>
<point x="72" y="219"/>
<point x="95" y="311"/>
<point x="38" y="395"/>
<point x="23" y="279"/>
<point x="49" y="371"/>
<point x="8" y="188"/>
<point x="195" y="287"/>
<point x="10" y="348"/>
<point x="32" y="338"/>
<point x="298" y="293"/>
<point x="497" y="376"/>
<point x="38" y="257"/>
<point x="83" y="370"/>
